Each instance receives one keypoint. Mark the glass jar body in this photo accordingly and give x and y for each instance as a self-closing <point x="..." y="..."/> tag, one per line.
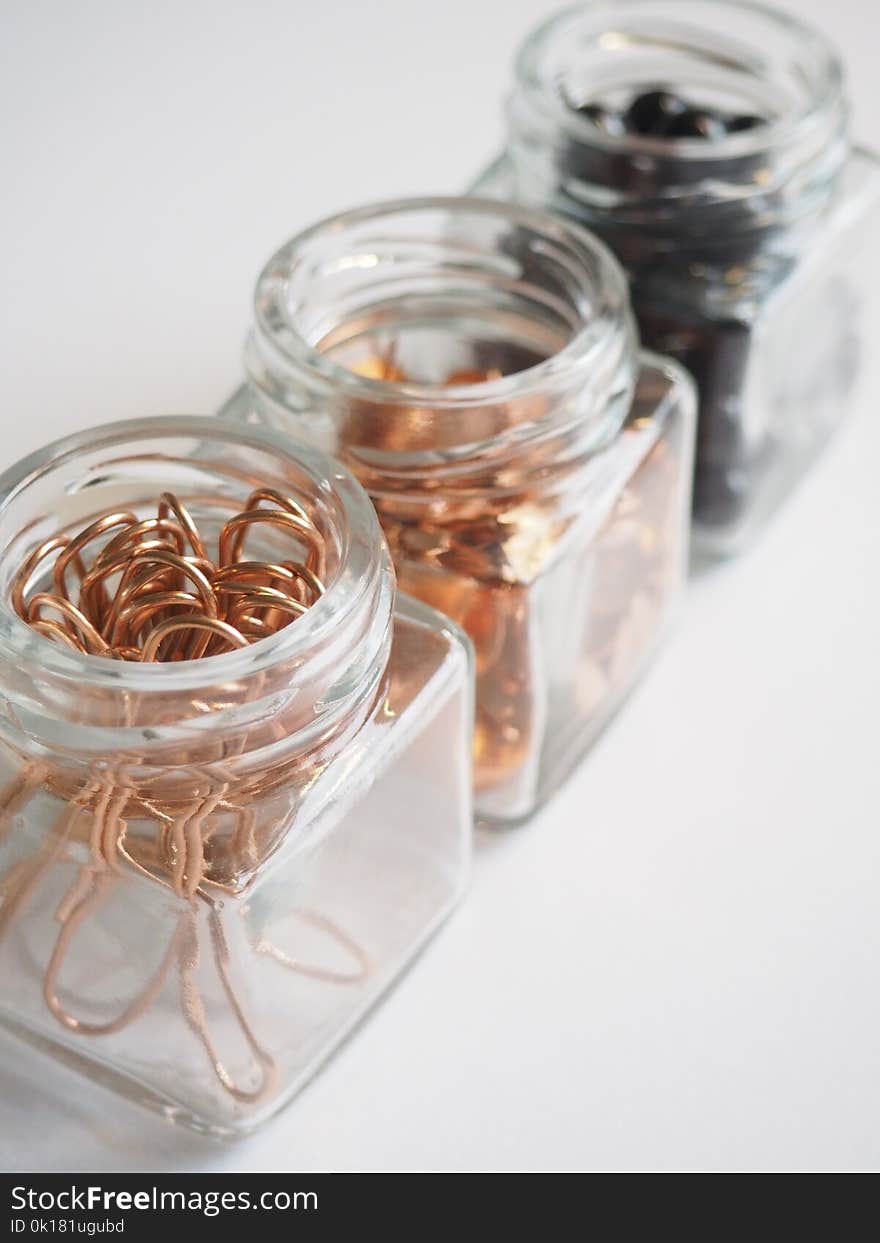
<point x="205" y="885"/>
<point x="753" y="264"/>
<point x="778" y="366"/>
<point x="476" y="367"/>
<point x="565" y="601"/>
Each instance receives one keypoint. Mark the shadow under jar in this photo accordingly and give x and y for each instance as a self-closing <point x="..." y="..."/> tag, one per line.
<point x="706" y="142"/>
<point x="476" y="367"/>
<point x="211" y="868"/>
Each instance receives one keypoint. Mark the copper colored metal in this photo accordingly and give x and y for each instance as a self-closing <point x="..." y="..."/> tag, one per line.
<point x="26" y="570"/>
<point x="471" y="550"/>
<point x="73" y="551"/>
<point x="155" y="579"/>
<point x="169" y="504"/>
<point x="191" y="622"/>
<point x="54" y="630"/>
<point x="233" y="535"/>
<point x="82" y="627"/>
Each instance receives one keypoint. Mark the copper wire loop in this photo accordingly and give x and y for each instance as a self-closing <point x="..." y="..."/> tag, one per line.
<point x="154" y="579"/>
<point x="153" y="592"/>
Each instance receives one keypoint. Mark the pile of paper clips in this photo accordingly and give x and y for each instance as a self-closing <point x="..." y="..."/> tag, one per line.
<point x="154" y="592"/>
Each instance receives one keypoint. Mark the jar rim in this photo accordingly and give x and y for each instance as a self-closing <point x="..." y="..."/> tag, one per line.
<point x="825" y="95"/>
<point x="18" y="643"/>
<point x="609" y="293"/>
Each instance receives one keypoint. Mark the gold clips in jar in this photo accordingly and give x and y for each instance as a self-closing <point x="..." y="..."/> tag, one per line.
<point x="154" y="592"/>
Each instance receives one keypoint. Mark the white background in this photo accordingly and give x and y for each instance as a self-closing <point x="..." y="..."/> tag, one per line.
<point x="675" y="965"/>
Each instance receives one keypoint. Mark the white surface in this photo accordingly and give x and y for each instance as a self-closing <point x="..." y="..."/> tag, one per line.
<point x="675" y="965"/>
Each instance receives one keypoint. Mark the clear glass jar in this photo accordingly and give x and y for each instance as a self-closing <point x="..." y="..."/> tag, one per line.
<point x="476" y="366"/>
<point x="732" y="196"/>
<point x="211" y="869"/>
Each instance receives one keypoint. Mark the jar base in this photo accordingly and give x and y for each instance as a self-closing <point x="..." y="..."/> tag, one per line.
<point x="215" y="1013"/>
<point x="135" y="1091"/>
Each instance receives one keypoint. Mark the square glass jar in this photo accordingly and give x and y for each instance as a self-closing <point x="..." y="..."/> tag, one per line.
<point x="211" y="869"/>
<point x="706" y="142"/>
<point x="476" y="366"/>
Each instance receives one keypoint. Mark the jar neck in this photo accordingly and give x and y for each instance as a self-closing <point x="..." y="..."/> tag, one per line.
<point x="445" y="342"/>
<point x="229" y="718"/>
<point x="715" y="200"/>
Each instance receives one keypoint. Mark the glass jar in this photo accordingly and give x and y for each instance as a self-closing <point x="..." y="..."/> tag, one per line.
<point x="476" y="367"/>
<point x="706" y="142"/>
<point x="211" y="869"/>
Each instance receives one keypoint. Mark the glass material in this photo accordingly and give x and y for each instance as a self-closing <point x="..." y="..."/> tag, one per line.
<point x="211" y="869"/>
<point x="707" y="143"/>
<point x="476" y="367"/>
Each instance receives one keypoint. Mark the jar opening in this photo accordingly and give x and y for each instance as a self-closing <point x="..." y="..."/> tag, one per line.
<point x="700" y="132"/>
<point x="341" y="638"/>
<point x="734" y="58"/>
<point x="445" y="309"/>
<point x="415" y="314"/>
